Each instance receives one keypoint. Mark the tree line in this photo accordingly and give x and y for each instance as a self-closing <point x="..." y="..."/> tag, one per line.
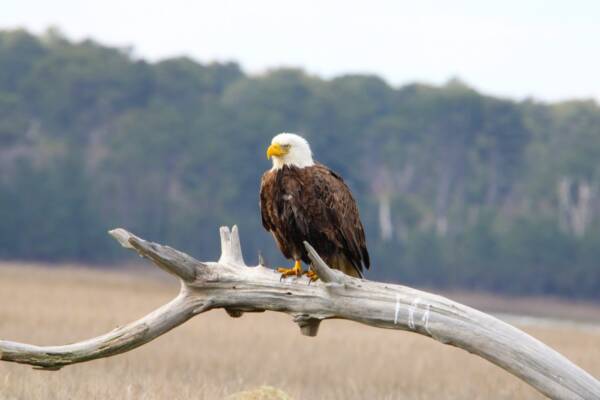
<point x="456" y="188"/>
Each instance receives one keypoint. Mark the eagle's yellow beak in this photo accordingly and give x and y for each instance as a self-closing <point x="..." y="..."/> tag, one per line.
<point x="275" y="150"/>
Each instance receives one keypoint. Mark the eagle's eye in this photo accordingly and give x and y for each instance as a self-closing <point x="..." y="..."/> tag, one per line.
<point x="286" y="146"/>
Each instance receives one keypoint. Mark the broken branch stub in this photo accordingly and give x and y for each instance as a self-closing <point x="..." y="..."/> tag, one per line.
<point x="231" y="285"/>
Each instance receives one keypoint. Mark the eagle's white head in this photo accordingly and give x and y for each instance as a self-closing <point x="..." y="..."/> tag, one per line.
<point x="290" y="149"/>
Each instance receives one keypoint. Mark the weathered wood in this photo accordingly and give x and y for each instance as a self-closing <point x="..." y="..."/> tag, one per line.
<point x="170" y="260"/>
<point x="231" y="285"/>
<point x="120" y="340"/>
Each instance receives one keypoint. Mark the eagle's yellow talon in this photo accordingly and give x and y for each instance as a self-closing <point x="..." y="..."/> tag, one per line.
<point x="296" y="270"/>
<point x="312" y="275"/>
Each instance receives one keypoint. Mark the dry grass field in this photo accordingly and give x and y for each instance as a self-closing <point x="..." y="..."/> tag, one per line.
<point x="213" y="356"/>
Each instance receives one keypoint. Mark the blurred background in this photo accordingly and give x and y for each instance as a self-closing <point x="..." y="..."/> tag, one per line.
<point x="469" y="134"/>
<point x="468" y="131"/>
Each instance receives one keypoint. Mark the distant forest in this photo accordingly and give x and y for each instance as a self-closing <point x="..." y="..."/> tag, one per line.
<point x="456" y="189"/>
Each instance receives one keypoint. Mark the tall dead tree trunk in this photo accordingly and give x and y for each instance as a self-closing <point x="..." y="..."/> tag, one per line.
<point x="230" y="284"/>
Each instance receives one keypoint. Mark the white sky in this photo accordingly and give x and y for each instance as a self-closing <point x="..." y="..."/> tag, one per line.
<point x="514" y="48"/>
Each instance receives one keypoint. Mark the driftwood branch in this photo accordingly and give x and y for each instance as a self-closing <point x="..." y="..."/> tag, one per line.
<point x="237" y="288"/>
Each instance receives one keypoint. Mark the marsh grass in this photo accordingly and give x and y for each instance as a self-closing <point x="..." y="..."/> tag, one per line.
<point x="214" y="356"/>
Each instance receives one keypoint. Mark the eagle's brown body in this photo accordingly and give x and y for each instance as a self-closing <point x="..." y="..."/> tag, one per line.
<point x="314" y="204"/>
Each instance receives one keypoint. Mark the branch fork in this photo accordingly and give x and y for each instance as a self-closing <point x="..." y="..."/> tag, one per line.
<point x="230" y="284"/>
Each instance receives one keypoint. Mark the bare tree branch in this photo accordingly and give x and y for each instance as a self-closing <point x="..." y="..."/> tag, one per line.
<point x="120" y="340"/>
<point x="231" y="285"/>
<point x="170" y="260"/>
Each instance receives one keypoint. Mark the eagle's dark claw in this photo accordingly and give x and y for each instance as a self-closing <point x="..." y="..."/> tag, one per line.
<point x="312" y="276"/>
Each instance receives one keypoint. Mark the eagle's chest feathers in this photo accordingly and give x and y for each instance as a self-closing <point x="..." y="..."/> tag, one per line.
<point x="290" y="182"/>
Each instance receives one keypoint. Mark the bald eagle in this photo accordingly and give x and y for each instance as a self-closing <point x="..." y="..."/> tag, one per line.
<point x="301" y="200"/>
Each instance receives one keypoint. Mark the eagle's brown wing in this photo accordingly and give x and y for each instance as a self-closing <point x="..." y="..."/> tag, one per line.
<point x="339" y="218"/>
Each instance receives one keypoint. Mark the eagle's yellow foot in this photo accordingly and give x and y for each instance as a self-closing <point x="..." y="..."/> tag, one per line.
<point x="312" y="275"/>
<point x="296" y="270"/>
